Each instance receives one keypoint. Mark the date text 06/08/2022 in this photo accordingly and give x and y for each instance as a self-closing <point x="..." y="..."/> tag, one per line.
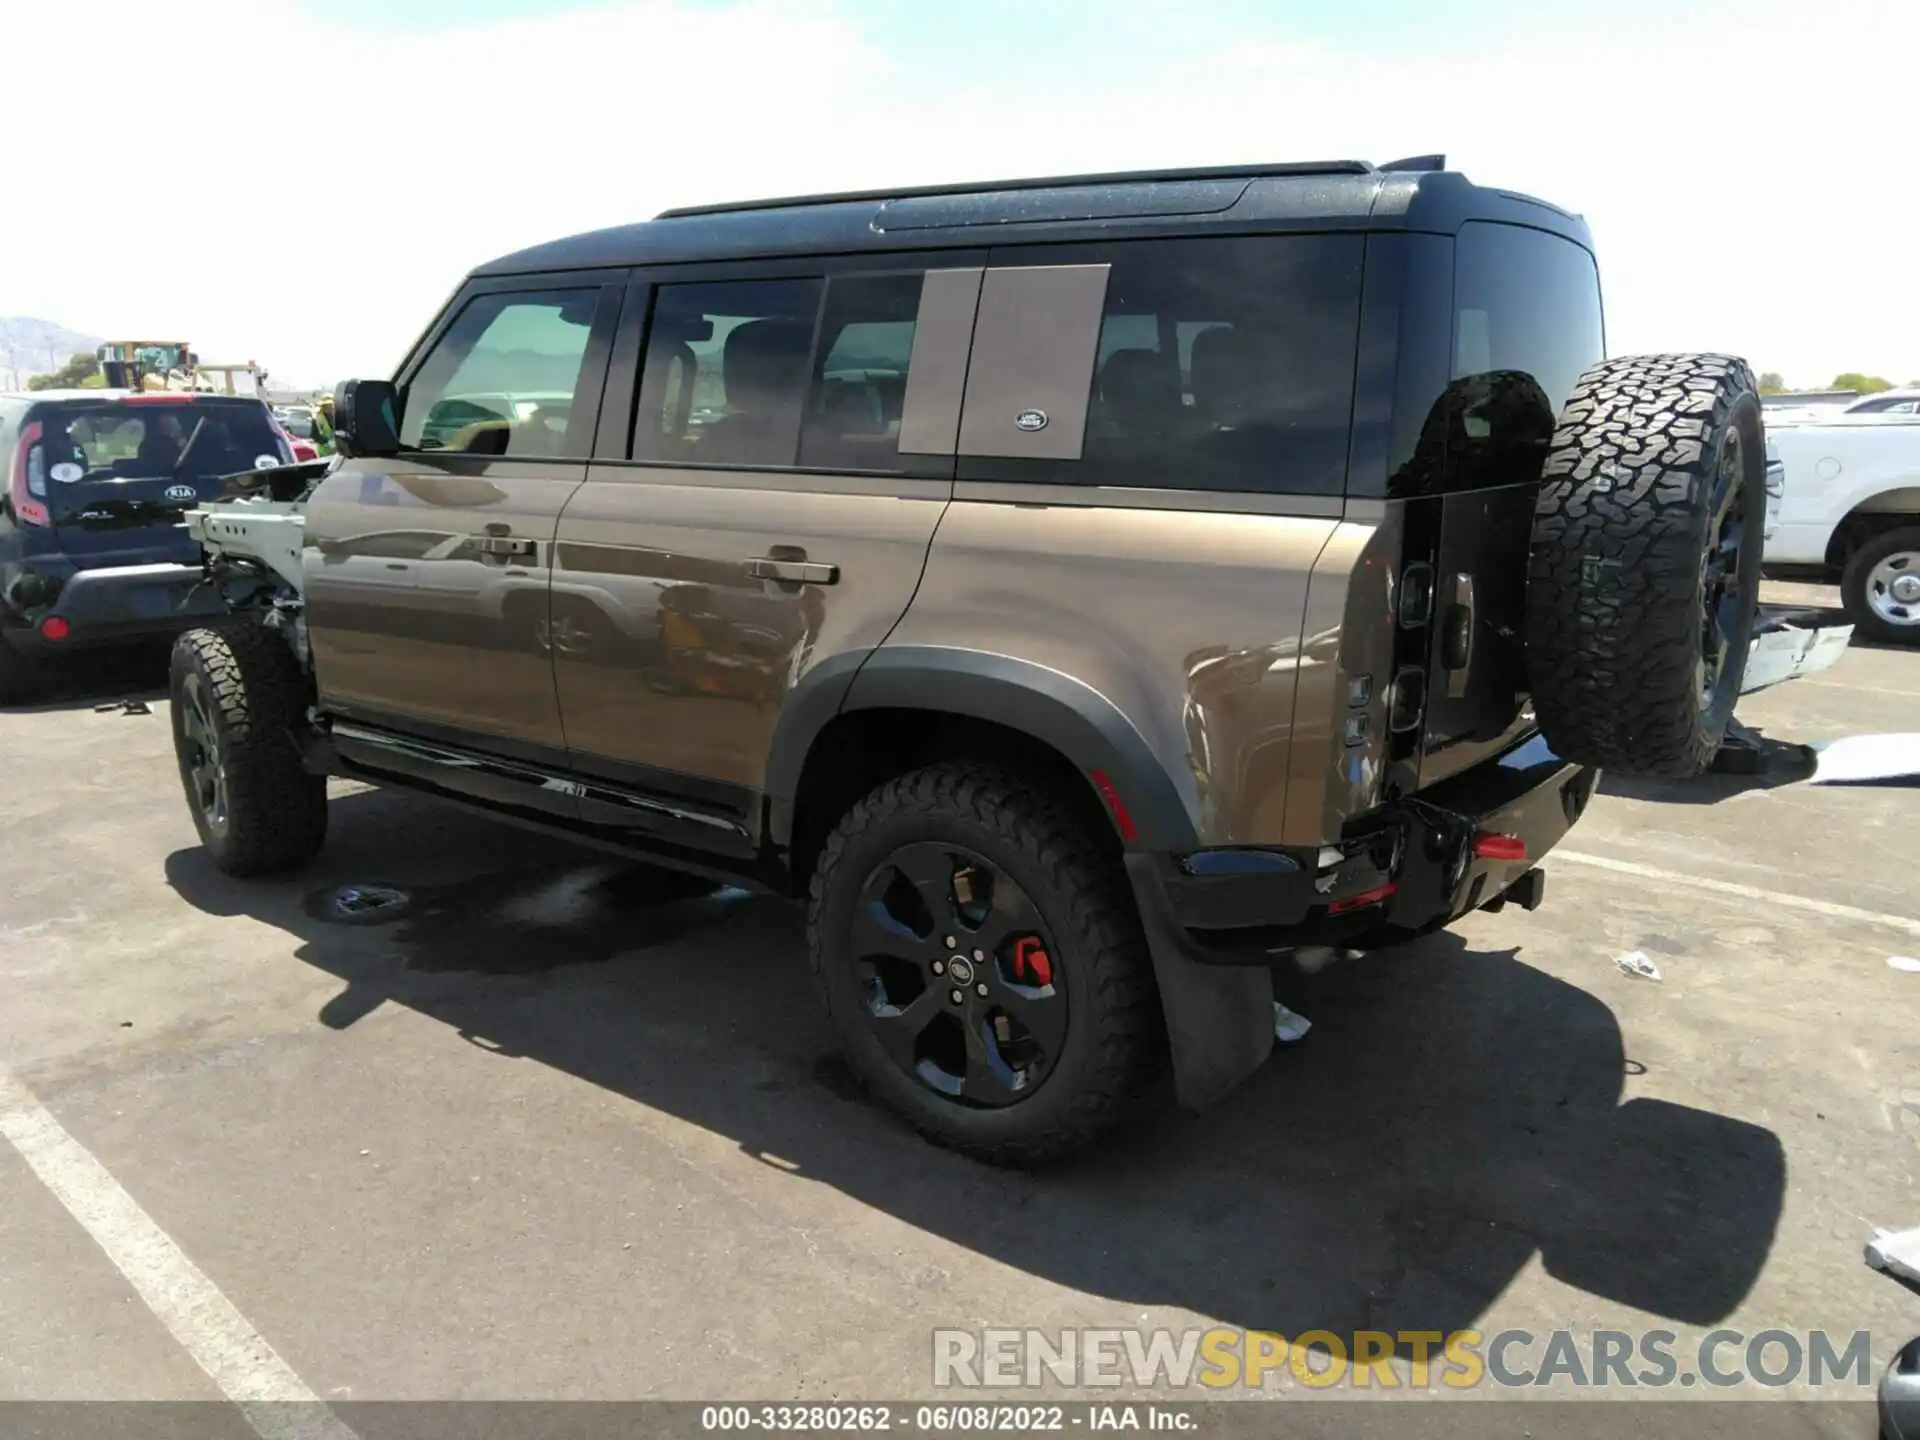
<point x="967" y="1419"/>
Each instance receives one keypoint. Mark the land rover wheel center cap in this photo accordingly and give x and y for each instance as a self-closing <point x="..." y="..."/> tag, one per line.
<point x="960" y="970"/>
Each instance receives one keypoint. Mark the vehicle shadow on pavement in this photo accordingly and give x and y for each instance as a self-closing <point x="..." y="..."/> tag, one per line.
<point x="101" y="677"/>
<point x="1779" y="762"/>
<point x="1453" y="1112"/>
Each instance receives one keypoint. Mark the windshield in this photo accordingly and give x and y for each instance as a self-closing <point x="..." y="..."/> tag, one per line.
<point x="297" y="423"/>
<point x="86" y="448"/>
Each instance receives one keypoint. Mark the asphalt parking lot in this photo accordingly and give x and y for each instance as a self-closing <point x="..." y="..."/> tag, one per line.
<point x="559" y="1134"/>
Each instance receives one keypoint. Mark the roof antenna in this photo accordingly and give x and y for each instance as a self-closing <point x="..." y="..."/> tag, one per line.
<point x="1417" y="162"/>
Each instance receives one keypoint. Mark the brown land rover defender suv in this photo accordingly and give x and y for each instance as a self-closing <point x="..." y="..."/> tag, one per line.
<point x="1086" y="593"/>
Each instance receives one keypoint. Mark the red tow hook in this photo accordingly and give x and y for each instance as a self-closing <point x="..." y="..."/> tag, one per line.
<point x="1489" y="846"/>
<point x="1030" y="957"/>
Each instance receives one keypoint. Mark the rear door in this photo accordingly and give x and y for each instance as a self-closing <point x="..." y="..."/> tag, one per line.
<point x="791" y="452"/>
<point x="117" y="474"/>
<point x="1526" y="324"/>
<point x="428" y="570"/>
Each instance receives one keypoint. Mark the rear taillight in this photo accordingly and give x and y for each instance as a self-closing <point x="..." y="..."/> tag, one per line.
<point x="27" y="489"/>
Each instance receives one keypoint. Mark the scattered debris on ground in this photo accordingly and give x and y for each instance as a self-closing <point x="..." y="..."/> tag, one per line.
<point x="1865" y="759"/>
<point x="1897" y="1252"/>
<point x="1639" y="965"/>
<point x="1289" y="1028"/>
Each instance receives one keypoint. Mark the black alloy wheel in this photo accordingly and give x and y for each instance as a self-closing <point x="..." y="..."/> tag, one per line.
<point x="957" y="974"/>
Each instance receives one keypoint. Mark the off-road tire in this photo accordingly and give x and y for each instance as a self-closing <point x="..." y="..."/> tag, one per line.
<point x="1618" y="572"/>
<point x="1853" y="586"/>
<point x="1115" y="1038"/>
<point x="276" y="812"/>
<point x="20" y="677"/>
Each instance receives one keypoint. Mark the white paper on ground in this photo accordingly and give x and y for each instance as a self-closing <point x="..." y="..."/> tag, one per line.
<point x="1288" y="1027"/>
<point x="1908" y="963"/>
<point x="1638" y="964"/>
<point x="1896" y="1252"/>
<point x="1856" y="758"/>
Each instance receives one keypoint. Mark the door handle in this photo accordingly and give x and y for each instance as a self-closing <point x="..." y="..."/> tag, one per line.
<point x="506" y="545"/>
<point x="793" y="572"/>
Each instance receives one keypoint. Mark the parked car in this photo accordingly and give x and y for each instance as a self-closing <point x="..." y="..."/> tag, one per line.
<point x="1849" y="514"/>
<point x="307" y="433"/>
<point x="92" y="545"/>
<point x="1086" y="593"/>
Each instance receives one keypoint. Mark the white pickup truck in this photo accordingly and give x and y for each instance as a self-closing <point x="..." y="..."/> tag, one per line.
<point x="1850" y="512"/>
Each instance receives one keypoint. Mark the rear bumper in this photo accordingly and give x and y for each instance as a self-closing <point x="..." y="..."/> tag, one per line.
<point x="1412" y="868"/>
<point x="116" y="603"/>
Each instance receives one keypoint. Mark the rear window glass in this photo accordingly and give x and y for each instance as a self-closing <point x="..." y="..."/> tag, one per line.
<point x="1526" y="325"/>
<point x="1222" y="365"/>
<point x="189" y="441"/>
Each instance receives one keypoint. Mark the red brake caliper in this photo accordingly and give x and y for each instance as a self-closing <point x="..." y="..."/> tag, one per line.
<point x="1030" y="955"/>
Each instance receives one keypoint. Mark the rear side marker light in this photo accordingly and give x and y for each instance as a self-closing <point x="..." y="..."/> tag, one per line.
<point x="1364" y="898"/>
<point x="1488" y="846"/>
<point x="1121" y="819"/>
<point x="54" y="628"/>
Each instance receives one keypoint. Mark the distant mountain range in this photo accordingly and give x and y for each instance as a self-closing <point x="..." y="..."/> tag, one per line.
<point x="33" y="347"/>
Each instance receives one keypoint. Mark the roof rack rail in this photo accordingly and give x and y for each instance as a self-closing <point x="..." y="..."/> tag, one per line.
<point x="1417" y="162"/>
<point x="1119" y="177"/>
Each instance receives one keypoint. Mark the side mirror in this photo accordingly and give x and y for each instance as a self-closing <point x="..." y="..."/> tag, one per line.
<point x="366" y="418"/>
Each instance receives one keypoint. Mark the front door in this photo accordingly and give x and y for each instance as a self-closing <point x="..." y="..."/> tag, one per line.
<point x="428" y="571"/>
<point x="792" y="453"/>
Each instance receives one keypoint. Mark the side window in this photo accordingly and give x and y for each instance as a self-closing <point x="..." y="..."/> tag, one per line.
<point x="1221" y="365"/>
<point x="501" y="379"/>
<point x="858" y="390"/>
<point x="725" y="376"/>
<point x="1526" y="324"/>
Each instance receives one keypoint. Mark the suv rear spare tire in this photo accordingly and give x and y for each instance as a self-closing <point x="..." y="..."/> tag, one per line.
<point x="1644" y="570"/>
<point x="239" y="699"/>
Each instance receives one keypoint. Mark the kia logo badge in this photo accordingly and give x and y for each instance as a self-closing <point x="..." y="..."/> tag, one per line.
<point x="182" y="492"/>
<point x="1031" y="420"/>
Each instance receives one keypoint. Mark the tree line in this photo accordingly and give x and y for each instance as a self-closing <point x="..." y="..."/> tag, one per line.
<point x="1772" y="382"/>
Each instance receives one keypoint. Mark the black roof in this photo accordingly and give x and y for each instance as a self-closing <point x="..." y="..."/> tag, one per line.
<point x="1417" y="194"/>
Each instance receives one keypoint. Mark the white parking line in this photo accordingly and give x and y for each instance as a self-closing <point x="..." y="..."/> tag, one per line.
<point x="1744" y="892"/>
<point x="250" y="1373"/>
<point x="1863" y="689"/>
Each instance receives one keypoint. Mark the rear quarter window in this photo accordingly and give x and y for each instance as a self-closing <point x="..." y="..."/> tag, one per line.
<point x="1222" y="364"/>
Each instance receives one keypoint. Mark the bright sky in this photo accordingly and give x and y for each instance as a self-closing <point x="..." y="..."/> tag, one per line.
<point x="303" y="183"/>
